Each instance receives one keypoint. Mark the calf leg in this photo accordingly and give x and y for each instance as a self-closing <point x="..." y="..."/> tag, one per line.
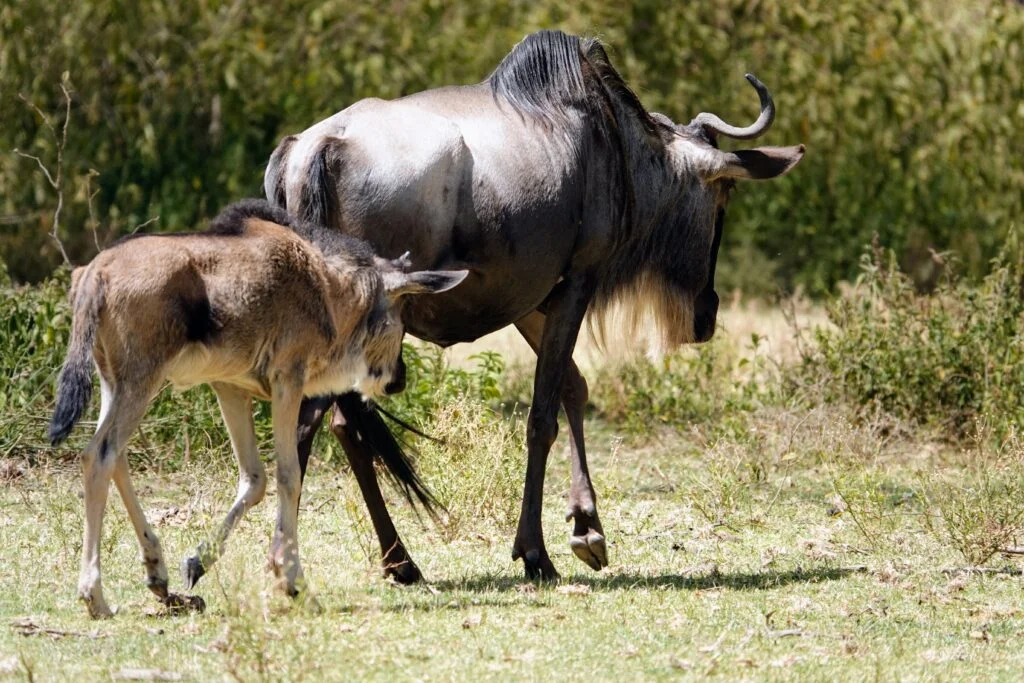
<point x="566" y="308"/>
<point x="587" y="539"/>
<point x="122" y="410"/>
<point x="395" y="559"/>
<point x="236" y="409"/>
<point x="149" y="544"/>
<point x="284" y="548"/>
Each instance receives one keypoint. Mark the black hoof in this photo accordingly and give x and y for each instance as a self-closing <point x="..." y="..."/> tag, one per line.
<point x="191" y="571"/>
<point x="179" y="604"/>
<point x="538" y="565"/>
<point x="405" y="573"/>
<point x="158" y="586"/>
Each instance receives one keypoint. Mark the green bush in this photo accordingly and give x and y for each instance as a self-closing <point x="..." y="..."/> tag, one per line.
<point x="908" y="109"/>
<point x="947" y="359"/>
<point x="711" y="386"/>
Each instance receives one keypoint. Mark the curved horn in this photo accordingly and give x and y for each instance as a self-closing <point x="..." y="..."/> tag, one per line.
<point x="717" y="126"/>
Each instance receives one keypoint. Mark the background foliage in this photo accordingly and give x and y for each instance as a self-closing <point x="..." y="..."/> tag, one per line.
<point x="908" y="109"/>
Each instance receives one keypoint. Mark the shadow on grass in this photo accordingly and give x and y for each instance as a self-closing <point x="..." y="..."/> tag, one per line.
<point x="629" y="581"/>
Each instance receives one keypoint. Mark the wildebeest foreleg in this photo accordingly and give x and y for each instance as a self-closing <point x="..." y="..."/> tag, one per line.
<point x="566" y="309"/>
<point x="284" y="549"/>
<point x="236" y="409"/>
<point x="311" y="416"/>
<point x="587" y="539"/>
<point x="149" y="544"/>
<point x="394" y="557"/>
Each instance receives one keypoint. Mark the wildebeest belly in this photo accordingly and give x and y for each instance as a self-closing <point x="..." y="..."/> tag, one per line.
<point x="201" y="364"/>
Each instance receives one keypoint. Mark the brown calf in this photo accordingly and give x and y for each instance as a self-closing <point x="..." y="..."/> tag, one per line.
<point x="258" y="306"/>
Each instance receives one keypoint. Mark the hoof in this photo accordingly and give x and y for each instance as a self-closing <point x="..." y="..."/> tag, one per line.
<point x="537" y="564"/>
<point x="591" y="549"/>
<point x="191" y="571"/>
<point x="180" y="604"/>
<point x="405" y="573"/>
<point x="158" y="586"/>
<point x="98" y="608"/>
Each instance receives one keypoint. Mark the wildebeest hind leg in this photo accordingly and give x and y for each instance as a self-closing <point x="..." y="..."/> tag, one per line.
<point x="394" y="557"/>
<point x="587" y="540"/>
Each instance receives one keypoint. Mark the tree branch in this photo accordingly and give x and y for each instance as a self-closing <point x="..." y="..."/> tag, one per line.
<point x="55" y="178"/>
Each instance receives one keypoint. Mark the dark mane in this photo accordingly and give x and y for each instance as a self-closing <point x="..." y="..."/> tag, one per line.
<point x="231" y="221"/>
<point x="546" y="73"/>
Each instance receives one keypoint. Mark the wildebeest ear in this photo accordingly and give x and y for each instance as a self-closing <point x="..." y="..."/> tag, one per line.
<point x="760" y="163"/>
<point x="422" y="282"/>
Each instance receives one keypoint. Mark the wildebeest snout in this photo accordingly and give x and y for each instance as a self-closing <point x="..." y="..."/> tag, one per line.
<point x="705" y="314"/>
<point x="397" y="383"/>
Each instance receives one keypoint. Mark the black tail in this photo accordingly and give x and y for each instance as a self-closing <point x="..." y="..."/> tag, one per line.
<point x="364" y="423"/>
<point x="74" y="385"/>
<point x="318" y="195"/>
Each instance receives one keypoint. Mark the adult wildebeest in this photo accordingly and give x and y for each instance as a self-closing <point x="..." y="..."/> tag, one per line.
<point x="259" y="305"/>
<point x="561" y="195"/>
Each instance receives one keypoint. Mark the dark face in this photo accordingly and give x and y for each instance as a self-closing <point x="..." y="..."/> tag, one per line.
<point x="705" y="306"/>
<point x="397" y="383"/>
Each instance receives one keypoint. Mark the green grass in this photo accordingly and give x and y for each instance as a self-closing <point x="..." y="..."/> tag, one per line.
<point x="728" y="558"/>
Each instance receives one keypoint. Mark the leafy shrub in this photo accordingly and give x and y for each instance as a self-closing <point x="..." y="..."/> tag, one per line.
<point x="710" y="385"/>
<point x="944" y="359"/>
<point x="431" y="383"/>
<point x="979" y="511"/>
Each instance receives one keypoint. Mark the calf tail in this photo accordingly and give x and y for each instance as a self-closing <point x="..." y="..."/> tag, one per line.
<point x="363" y="421"/>
<point x="74" y="385"/>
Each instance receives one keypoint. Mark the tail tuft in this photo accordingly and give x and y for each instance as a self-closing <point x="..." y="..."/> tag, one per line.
<point x="74" y="385"/>
<point x="74" y="390"/>
<point x="363" y="418"/>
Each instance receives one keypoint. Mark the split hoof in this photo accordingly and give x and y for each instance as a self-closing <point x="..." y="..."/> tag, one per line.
<point x="191" y="571"/>
<point x="591" y="549"/>
<point x="181" y="604"/>
<point x="98" y="608"/>
<point x="405" y="572"/>
<point x="537" y="564"/>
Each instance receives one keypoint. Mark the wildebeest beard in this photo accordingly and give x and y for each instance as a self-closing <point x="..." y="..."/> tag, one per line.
<point x="660" y="287"/>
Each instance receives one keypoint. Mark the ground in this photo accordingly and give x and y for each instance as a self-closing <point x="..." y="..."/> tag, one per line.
<point x="796" y="549"/>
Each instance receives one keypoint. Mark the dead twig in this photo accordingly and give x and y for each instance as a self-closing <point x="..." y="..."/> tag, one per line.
<point x="27" y="627"/>
<point x="89" y="196"/>
<point x="140" y="226"/>
<point x="984" y="570"/>
<point x="56" y="178"/>
<point x="786" y="633"/>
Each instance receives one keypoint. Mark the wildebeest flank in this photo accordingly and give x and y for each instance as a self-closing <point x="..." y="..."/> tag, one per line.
<point x="258" y="306"/>
<point x="561" y="195"/>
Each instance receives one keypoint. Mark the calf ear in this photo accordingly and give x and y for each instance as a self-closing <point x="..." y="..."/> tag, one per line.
<point x="760" y="163"/>
<point x="422" y="282"/>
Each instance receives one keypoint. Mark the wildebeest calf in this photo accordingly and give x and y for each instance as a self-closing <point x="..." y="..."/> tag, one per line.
<point x="259" y="305"/>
